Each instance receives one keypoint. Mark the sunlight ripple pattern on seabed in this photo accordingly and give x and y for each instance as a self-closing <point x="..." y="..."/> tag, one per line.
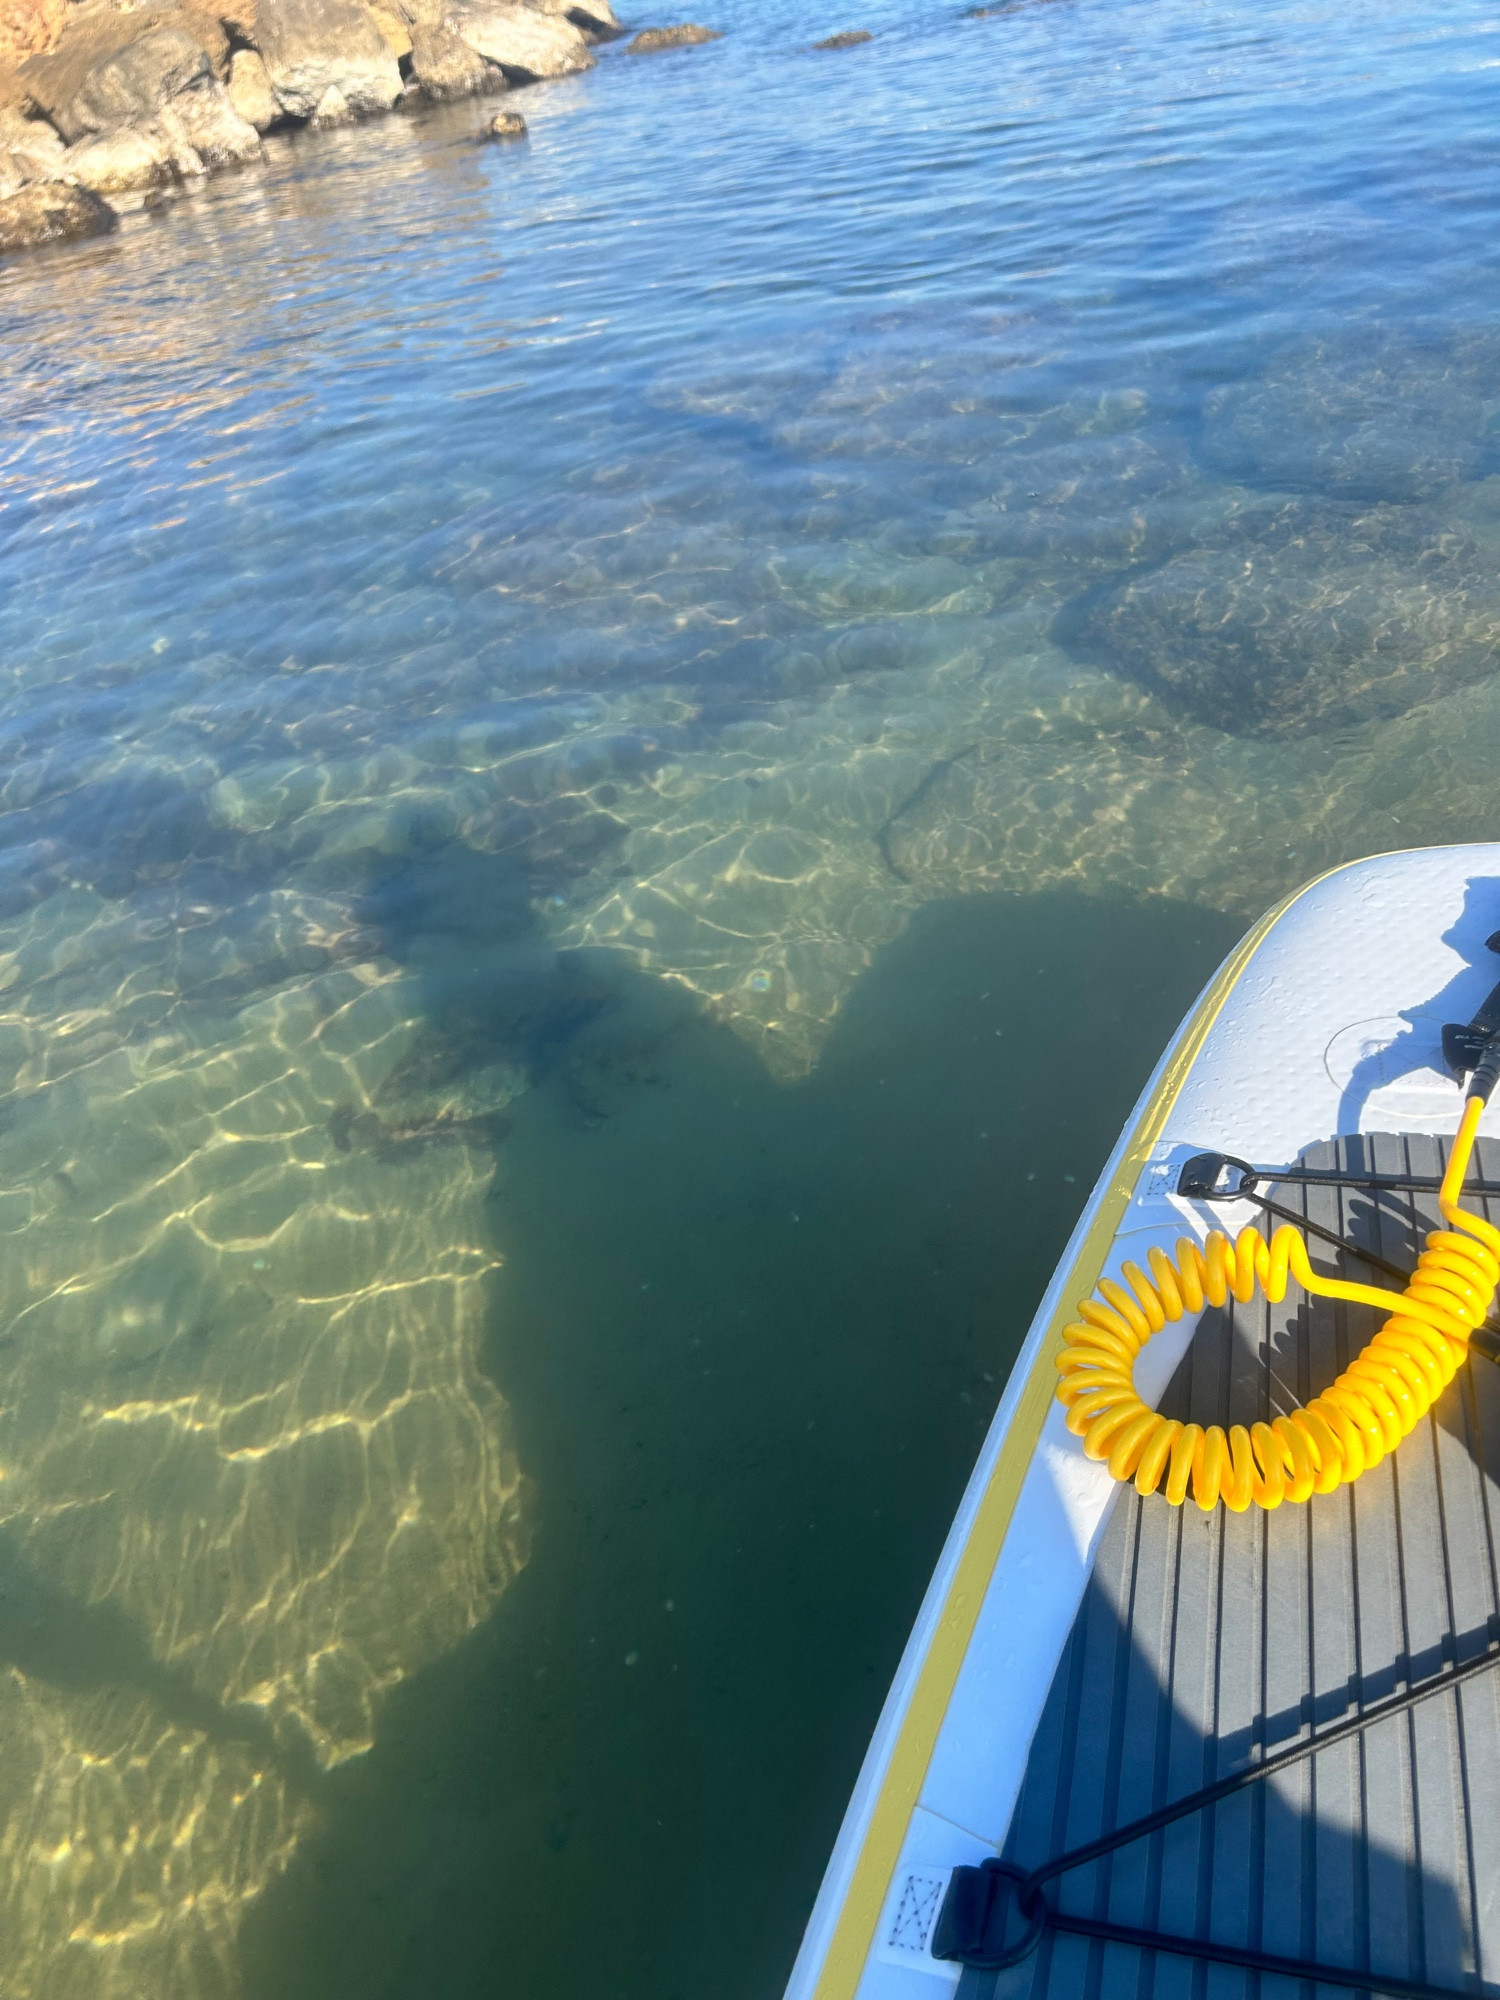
<point x="240" y="1407"/>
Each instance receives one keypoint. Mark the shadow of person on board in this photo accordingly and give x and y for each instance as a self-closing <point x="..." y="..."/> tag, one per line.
<point x="1419" y="1046"/>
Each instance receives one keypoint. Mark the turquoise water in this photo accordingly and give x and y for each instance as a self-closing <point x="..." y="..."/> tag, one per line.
<point x="616" y="757"/>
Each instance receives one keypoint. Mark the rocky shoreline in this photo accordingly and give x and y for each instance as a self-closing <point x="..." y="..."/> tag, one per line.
<point x="107" y="106"/>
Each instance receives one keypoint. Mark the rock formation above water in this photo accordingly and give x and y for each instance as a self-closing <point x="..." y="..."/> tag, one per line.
<point x="326" y="58"/>
<point x="102" y="104"/>
<point x="47" y="212"/>
<point x="446" y="67"/>
<point x="522" y="42"/>
<point x="250" y="90"/>
<point x="113" y="69"/>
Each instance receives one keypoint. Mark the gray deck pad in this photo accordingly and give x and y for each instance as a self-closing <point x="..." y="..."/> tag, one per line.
<point x="1206" y="1641"/>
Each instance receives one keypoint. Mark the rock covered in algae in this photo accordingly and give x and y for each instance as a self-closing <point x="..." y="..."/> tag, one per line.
<point x="764" y="870"/>
<point x="1302" y="616"/>
<point x="689" y="34"/>
<point x="1031" y="483"/>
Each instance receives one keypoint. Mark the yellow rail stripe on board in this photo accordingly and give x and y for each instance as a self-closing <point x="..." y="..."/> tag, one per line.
<point x="906" y="1772"/>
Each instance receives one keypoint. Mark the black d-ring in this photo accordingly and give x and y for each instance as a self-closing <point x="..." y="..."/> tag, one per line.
<point x="1217" y="1177"/>
<point x="975" y="1916"/>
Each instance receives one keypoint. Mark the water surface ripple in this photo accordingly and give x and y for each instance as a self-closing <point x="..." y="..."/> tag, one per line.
<point x="609" y="750"/>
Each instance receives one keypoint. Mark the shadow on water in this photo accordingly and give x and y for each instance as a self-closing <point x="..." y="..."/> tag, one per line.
<point x="751" y="1337"/>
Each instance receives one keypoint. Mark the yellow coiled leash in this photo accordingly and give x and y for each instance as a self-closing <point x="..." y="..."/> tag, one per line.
<point x="1378" y="1400"/>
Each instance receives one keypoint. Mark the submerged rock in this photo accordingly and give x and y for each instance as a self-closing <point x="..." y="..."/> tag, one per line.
<point x="326" y="59"/>
<point x="446" y="67"/>
<point x="250" y="91"/>
<point x="527" y="45"/>
<point x="687" y="36"/>
<point x="1302" y="617"/>
<point x="1359" y="422"/>
<point x="51" y="212"/>
<point x="850" y="39"/>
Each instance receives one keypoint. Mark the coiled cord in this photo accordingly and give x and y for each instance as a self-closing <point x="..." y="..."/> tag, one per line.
<point x="1378" y="1400"/>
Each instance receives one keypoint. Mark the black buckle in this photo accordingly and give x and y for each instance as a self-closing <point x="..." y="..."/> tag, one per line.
<point x="976" y="1912"/>
<point x="1464" y="1047"/>
<point x="1472" y="1049"/>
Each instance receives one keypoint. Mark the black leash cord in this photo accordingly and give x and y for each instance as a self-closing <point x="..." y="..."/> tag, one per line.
<point x="1279" y="1760"/>
<point x="1389" y="1183"/>
<point x="1310" y="1228"/>
<point x="1262" y="1961"/>
<point x="1202" y="1178"/>
<point x="1485" y="1339"/>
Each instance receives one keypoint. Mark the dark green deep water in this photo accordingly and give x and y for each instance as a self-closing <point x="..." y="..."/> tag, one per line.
<point x="616" y="760"/>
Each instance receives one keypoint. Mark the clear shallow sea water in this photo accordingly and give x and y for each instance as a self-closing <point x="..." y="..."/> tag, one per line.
<point x="616" y="757"/>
